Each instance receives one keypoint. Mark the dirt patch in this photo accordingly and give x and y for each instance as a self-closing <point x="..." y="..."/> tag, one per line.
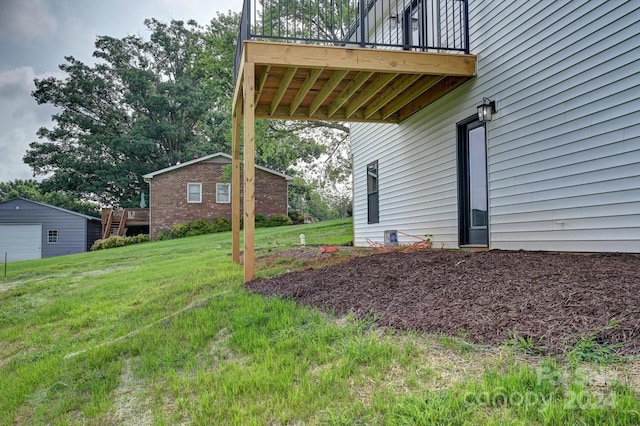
<point x="97" y="272"/>
<point x="549" y="297"/>
<point x="129" y="407"/>
<point x="309" y="257"/>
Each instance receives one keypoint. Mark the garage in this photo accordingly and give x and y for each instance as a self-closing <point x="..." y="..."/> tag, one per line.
<point x="20" y="241"/>
<point x="33" y="230"/>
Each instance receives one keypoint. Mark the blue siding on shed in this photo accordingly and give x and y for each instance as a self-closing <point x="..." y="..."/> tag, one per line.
<point x="75" y="231"/>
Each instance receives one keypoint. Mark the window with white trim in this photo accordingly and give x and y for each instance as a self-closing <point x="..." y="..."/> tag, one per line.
<point x="223" y="192"/>
<point x="52" y="236"/>
<point x="194" y="192"/>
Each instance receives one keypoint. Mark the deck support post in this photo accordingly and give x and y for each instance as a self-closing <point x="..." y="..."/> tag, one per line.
<point x="235" y="182"/>
<point x="249" y="99"/>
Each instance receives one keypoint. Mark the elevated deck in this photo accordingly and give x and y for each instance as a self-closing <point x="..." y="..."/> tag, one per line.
<point x="347" y="60"/>
<point x="116" y="222"/>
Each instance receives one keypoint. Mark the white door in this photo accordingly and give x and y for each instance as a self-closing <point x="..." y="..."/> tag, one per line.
<point x="20" y="241"/>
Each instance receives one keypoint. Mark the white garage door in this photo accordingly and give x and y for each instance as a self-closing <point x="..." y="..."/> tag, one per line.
<point x="20" y="242"/>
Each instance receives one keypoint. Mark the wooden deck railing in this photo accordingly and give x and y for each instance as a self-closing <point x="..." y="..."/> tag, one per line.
<point x="115" y="222"/>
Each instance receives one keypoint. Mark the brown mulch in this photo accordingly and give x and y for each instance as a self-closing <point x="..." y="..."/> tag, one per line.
<point x="549" y="296"/>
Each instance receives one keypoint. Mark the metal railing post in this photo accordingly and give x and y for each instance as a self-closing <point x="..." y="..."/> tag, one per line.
<point x="362" y="29"/>
<point x="466" y="26"/>
<point x="247" y="4"/>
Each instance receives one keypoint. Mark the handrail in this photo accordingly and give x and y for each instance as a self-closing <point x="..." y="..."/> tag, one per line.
<point x="123" y="221"/>
<point x="107" y="229"/>
<point x="417" y="25"/>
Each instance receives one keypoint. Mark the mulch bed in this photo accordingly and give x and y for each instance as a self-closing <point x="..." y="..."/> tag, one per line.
<point x="485" y="296"/>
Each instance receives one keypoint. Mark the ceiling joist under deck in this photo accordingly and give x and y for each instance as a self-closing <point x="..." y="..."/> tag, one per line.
<point x="311" y="82"/>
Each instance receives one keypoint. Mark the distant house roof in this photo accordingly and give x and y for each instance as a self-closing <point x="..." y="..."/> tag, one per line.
<point x="52" y="207"/>
<point x="151" y="175"/>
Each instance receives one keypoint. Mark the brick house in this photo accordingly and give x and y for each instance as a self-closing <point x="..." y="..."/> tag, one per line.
<point x="196" y="189"/>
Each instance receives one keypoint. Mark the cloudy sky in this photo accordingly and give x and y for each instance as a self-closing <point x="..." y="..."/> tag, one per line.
<point x="36" y="35"/>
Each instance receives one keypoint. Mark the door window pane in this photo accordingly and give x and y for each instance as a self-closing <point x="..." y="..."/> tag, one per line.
<point x="477" y="178"/>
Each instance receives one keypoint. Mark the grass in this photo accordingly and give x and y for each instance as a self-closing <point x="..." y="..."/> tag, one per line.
<point x="163" y="333"/>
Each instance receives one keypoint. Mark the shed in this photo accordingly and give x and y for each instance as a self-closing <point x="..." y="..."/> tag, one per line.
<point x="34" y="230"/>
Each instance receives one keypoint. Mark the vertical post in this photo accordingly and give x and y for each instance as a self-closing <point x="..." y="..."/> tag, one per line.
<point x="361" y="23"/>
<point x="466" y="26"/>
<point x="247" y="4"/>
<point x="235" y="183"/>
<point x="5" y="264"/>
<point x="249" y="94"/>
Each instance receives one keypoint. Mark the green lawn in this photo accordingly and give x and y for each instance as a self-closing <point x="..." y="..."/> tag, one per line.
<point x="163" y="333"/>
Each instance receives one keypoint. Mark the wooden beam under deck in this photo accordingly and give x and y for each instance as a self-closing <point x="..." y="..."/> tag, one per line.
<point x="357" y="59"/>
<point x="312" y="82"/>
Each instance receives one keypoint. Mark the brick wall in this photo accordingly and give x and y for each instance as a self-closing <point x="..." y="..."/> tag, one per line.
<point x="168" y="195"/>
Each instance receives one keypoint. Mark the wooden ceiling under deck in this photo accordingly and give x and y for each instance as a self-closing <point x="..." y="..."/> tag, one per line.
<point x="311" y="82"/>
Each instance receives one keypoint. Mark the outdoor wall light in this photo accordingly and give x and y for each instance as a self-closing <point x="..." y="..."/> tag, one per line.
<point x="486" y="110"/>
<point x="393" y="21"/>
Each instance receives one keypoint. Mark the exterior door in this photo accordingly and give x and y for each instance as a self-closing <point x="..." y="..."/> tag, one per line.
<point x="472" y="183"/>
<point x="20" y="241"/>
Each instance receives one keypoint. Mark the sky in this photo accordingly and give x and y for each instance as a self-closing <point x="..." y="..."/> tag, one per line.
<point x="36" y="35"/>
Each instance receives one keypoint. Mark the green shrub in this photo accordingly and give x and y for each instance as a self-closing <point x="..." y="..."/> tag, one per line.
<point x="221" y="224"/>
<point x="278" y="220"/>
<point x="261" y="220"/>
<point x="190" y="229"/>
<point x="296" y="217"/>
<point x="140" y="238"/>
<point x="117" y="241"/>
<point x="164" y="235"/>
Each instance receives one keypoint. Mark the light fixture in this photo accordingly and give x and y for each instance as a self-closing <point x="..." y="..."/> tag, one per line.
<point x="393" y="21"/>
<point x="414" y="24"/>
<point x="486" y="110"/>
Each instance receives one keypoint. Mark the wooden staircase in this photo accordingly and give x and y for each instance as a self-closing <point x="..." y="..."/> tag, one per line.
<point x="115" y="221"/>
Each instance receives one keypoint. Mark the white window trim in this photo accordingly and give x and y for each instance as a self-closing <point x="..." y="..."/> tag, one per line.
<point x="49" y="231"/>
<point x="218" y="185"/>
<point x="200" y="192"/>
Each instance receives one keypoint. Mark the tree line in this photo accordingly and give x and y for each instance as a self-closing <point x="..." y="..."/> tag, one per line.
<point x="149" y="103"/>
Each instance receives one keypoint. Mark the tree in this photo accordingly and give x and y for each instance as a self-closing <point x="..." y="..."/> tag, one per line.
<point x="310" y="21"/>
<point x="291" y="147"/>
<point x="321" y="22"/>
<point x="307" y="199"/>
<point x="148" y="104"/>
<point x="31" y="190"/>
<point x="142" y="107"/>
<point x="279" y="144"/>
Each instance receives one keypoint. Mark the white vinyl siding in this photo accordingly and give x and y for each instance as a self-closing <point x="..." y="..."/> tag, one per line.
<point x="194" y="192"/>
<point x="414" y="198"/>
<point x="563" y="148"/>
<point x="223" y="193"/>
